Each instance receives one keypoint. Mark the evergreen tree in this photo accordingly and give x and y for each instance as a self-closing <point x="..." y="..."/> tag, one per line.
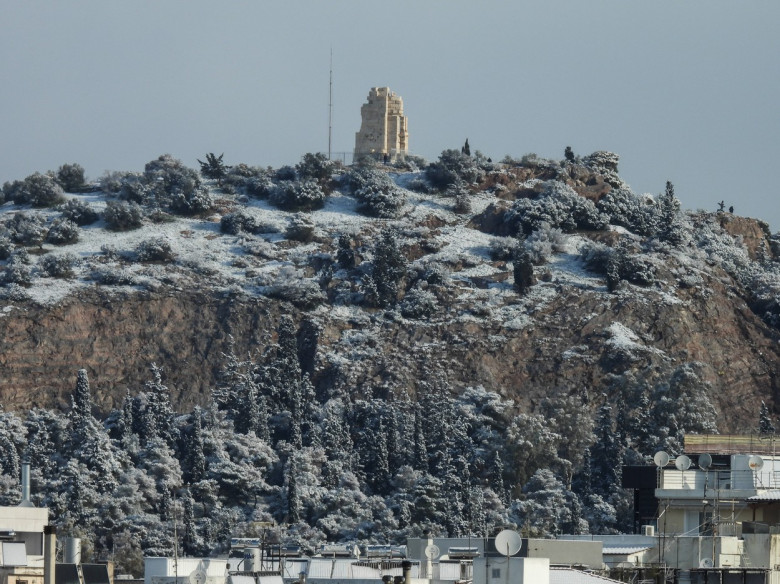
<point x="522" y="269"/>
<point x="345" y="255"/>
<point x="294" y="504"/>
<point x="568" y="154"/>
<point x="158" y="415"/>
<point x="388" y="267"/>
<point x="607" y="455"/>
<point x="214" y="167"/>
<point x="670" y="228"/>
<point x="192" y="543"/>
<point x="195" y="459"/>
<point x="765" y="425"/>
<point x="466" y="149"/>
<point x="497" y="477"/>
<point x="307" y="340"/>
<point x="420" y="446"/>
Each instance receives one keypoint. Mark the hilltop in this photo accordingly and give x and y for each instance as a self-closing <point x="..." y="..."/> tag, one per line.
<point x="187" y="283"/>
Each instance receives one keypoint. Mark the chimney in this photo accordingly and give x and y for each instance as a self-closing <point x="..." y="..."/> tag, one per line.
<point x="25" y="502"/>
<point x="49" y="553"/>
<point x="406" y="567"/>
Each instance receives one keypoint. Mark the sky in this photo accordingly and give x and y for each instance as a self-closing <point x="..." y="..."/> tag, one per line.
<point x="683" y="90"/>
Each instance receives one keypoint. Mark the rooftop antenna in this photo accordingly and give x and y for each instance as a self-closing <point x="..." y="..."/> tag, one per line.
<point x="330" y="106"/>
<point x="508" y="543"/>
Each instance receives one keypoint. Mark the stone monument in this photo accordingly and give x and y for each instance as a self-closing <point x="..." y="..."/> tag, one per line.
<point x="384" y="128"/>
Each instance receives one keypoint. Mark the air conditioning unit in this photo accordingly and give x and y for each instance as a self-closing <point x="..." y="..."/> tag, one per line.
<point x="648" y="530"/>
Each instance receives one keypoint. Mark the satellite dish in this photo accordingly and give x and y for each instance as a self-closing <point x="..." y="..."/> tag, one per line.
<point x="755" y="462"/>
<point x="661" y="459"/>
<point x="705" y="563"/>
<point x="682" y="462"/>
<point x="432" y="552"/>
<point x="705" y="461"/>
<point x="508" y="542"/>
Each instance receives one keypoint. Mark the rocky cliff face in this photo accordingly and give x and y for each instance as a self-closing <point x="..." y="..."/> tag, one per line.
<point x="560" y="339"/>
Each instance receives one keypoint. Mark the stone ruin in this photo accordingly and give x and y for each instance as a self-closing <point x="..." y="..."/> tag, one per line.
<point x="384" y="128"/>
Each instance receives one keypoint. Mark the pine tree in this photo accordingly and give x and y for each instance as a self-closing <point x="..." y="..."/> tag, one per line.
<point x="345" y="255"/>
<point x="765" y="425"/>
<point x="214" y="167"/>
<point x="522" y="269"/>
<point x="420" y="446"/>
<point x="670" y="228"/>
<point x="497" y="477"/>
<point x="466" y="149"/>
<point x="192" y="543"/>
<point x="307" y="340"/>
<point x="158" y="415"/>
<point x="568" y="154"/>
<point x="606" y="454"/>
<point x="195" y="459"/>
<point x="294" y="505"/>
<point x="388" y="267"/>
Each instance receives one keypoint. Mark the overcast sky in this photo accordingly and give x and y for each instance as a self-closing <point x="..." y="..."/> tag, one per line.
<point x="682" y="90"/>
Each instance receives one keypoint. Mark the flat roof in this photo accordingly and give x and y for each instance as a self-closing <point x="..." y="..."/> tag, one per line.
<point x="732" y="444"/>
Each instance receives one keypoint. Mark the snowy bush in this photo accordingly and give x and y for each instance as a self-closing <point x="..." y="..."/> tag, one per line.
<point x="71" y="177"/>
<point x="501" y="248"/>
<point x="17" y="272"/>
<point x="38" y="190"/>
<point x="301" y="228"/>
<point x="80" y="212"/>
<point x="558" y="206"/>
<point x="454" y="166"/>
<point x="58" y="266"/>
<point x="121" y="216"/>
<point x="285" y="173"/>
<point x="298" y="195"/>
<point x="639" y="214"/>
<point x="251" y="180"/>
<point x="418" y="304"/>
<point x="63" y="232"/>
<point x="292" y="286"/>
<point x="6" y="247"/>
<point x="112" y="276"/>
<point x="26" y="229"/>
<point x="112" y="181"/>
<point x="157" y="249"/>
<point x="542" y="243"/>
<point x="375" y="191"/>
<point x="191" y="202"/>
<point x="315" y="167"/>
<point x="242" y="222"/>
<point x="606" y="164"/>
<point x="171" y="174"/>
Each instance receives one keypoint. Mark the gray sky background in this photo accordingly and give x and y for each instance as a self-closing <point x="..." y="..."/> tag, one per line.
<point x="683" y="90"/>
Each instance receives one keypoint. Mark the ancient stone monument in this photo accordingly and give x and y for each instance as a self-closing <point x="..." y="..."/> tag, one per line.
<point x="384" y="130"/>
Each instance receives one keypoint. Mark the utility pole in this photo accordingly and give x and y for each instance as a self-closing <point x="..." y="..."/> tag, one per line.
<point x="330" y="105"/>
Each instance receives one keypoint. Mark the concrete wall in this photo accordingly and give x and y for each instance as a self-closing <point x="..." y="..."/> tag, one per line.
<point x="501" y="570"/>
<point x="565" y="552"/>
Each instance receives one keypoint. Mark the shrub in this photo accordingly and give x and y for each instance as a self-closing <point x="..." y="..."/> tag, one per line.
<point x="79" y="212"/>
<point x="63" y="232"/>
<point x="198" y="200"/>
<point x="377" y="194"/>
<point x="345" y="256"/>
<point x="112" y="276"/>
<point x="58" y="266"/>
<point x="523" y="270"/>
<point x="418" y="304"/>
<point x="557" y="206"/>
<point x="315" y="167"/>
<point x="121" y="216"/>
<point x="213" y="167"/>
<point x="17" y="272"/>
<point x="6" y="247"/>
<point x="542" y="243"/>
<point x="38" y="190"/>
<point x="285" y="173"/>
<point x="242" y="222"/>
<point x="452" y="166"/>
<point x="252" y="180"/>
<point x="301" y="228"/>
<point x="27" y="229"/>
<point x="624" y="208"/>
<point x="298" y="195"/>
<point x="501" y="248"/>
<point x="172" y="174"/>
<point x="135" y="190"/>
<point x="111" y="182"/>
<point x="157" y="249"/>
<point x="71" y="177"/>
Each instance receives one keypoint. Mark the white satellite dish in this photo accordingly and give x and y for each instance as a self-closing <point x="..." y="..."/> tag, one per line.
<point x="705" y="563"/>
<point x="682" y="462"/>
<point x="432" y="551"/>
<point x="705" y="461"/>
<point x="508" y="542"/>
<point x="755" y="462"/>
<point x="661" y="459"/>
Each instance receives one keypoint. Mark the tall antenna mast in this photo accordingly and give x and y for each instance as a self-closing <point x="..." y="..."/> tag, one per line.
<point x="330" y="105"/>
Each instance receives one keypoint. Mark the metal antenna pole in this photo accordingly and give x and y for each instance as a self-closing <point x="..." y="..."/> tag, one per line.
<point x="330" y="106"/>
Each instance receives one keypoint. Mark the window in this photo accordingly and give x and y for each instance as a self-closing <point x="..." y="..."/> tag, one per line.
<point x="496" y="573"/>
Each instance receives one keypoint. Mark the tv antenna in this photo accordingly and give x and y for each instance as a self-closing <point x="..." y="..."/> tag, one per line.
<point x="330" y="106"/>
<point x="705" y="461"/>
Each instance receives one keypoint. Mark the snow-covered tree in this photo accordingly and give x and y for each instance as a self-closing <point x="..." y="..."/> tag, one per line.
<point x="765" y="425"/>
